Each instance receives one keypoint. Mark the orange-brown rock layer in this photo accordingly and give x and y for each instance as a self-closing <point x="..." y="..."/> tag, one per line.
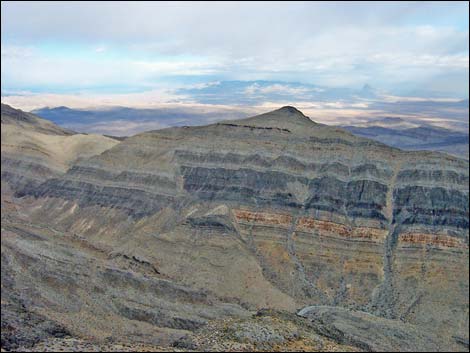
<point x="273" y="219"/>
<point x="309" y="224"/>
<point x="439" y="240"/>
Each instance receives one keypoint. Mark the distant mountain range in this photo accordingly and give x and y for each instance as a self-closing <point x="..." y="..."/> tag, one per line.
<point x="406" y="135"/>
<point x="125" y="121"/>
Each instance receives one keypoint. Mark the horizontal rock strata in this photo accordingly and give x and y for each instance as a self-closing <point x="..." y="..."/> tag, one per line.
<point x="276" y="211"/>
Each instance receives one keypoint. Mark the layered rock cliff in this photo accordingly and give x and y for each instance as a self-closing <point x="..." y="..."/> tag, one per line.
<point x="274" y="211"/>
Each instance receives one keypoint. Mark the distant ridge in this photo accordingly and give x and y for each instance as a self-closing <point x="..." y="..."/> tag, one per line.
<point x="398" y="132"/>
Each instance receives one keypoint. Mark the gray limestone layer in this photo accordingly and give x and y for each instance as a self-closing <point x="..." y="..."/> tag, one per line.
<point x="277" y="160"/>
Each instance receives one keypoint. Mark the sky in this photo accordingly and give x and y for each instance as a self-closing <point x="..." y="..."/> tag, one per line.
<point x="251" y="54"/>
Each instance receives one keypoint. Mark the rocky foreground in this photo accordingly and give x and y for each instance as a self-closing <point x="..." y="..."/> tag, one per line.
<point x="268" y="233"/>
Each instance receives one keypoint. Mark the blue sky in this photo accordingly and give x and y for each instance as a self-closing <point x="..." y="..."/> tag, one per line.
<point x="181" y="52"/>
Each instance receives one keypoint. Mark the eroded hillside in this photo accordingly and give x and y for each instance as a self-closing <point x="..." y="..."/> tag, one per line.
<point x="171" y="230"/>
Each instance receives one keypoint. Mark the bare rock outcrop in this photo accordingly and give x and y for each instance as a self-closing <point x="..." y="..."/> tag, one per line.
<point x="274" y="211"/>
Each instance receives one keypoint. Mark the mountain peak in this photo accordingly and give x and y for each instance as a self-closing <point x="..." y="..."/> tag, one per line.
<point x="290" y="110"/>
<point x="289" y="114"/>
<point x="287" y="117"/>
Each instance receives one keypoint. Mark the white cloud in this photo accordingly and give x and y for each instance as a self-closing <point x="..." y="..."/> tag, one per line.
<point x="388" y="45"/>
<point x="16" y="52"/>
<point x="27" y="66"/>
<point x="276" y="88"/>
<point x="175" y="67"/>
<point x="100" y="49"/>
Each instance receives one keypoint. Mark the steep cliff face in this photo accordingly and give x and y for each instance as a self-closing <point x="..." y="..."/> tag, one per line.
<point x="278" y="211"/>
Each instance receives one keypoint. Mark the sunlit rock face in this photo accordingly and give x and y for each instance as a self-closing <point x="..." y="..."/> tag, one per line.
<point x="274" y="211"/>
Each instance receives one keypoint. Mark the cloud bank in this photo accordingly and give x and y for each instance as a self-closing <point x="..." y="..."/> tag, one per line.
<point x="70" y="47"/>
